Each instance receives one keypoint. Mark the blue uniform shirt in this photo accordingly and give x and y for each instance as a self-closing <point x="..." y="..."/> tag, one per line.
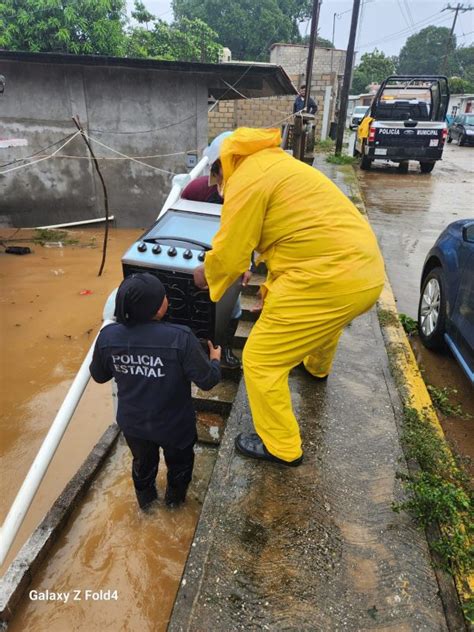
<point x="154" y="364"/>
<point x="298" y="105"/>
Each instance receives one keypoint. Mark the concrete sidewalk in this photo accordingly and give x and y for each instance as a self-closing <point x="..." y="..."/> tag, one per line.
<point x="316" y="547"/>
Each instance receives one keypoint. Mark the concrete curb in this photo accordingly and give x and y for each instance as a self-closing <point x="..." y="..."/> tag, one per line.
<point x="21" y="571"/>
<point x="413" y="393"/>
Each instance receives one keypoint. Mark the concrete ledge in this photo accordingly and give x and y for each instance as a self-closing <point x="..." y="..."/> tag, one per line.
<point x="21" y="571"/>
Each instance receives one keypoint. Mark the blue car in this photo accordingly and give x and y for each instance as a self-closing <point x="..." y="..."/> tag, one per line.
<point x="446" y="308"/>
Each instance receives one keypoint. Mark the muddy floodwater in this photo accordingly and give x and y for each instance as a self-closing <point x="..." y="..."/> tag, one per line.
<point x="51" y="306"/>
<point x="120" y="568"/>
<point x="51" y="310"/>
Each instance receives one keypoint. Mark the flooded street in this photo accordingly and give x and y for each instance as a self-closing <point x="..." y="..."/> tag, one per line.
<point x="47" y="326"/>
<point x="52" y="302"/>
<point x="408" y="212"/>
<point x="136" y="560"/>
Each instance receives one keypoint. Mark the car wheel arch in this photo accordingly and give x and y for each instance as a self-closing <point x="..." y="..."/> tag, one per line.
<point x="432" y="263"/>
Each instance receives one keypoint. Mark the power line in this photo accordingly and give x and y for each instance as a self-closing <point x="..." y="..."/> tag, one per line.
<point x="406" y="4"/>
<point x="404" y="16"/>
<point x="460" y="8"/>
<point x="406" y="31"/>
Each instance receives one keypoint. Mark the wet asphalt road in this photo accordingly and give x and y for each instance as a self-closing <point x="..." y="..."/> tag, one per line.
<point x="408" y="212"/>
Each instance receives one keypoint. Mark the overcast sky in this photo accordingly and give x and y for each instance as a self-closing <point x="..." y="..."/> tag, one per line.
<point x="383" y="24"/>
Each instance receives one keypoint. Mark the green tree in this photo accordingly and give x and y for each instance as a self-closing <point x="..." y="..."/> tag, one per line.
<point x="320" y="41"/>
<point x="184" y="40"/>
<point x="373" y="67"/>
<point x="66" y="26"/>
<point x="141" y="14"/>
<point x="462" y="65"/>
<point x="423" y="52"/>
<point x="248" y="27"/>
<point x="458" y="85"/>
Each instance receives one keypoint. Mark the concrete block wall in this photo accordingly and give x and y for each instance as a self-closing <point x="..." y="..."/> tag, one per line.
<point x="328" y="69"/>
<point x="293" y="58"/>
<point x="265" y="112"/>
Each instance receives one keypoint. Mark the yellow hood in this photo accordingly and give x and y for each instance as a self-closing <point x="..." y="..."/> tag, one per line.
<point x="244" y="142"/>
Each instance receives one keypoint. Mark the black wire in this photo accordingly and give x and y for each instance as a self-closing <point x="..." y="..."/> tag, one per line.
<point x="37" y="152"/>
<point x="145" y="131"/>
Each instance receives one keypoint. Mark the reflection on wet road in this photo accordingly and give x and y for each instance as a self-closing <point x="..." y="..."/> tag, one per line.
<point x="408" y="212"/>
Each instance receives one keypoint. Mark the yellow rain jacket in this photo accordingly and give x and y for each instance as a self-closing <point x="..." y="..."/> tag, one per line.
<point x="324" y="269"/>
<point x="310" y="235"/>
<point x="364" y="127"/>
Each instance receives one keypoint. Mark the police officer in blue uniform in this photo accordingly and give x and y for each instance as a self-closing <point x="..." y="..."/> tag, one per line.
<point x="153" y="364"/>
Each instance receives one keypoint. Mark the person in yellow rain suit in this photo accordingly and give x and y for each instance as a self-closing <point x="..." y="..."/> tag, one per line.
<point x="324" y="269"/>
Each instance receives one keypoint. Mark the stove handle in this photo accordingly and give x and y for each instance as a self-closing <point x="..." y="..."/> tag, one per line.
<point x="185" y="240"/>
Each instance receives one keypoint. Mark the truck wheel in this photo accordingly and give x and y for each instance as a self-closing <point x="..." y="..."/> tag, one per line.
<point x="403" y="166"/>
<point x="427" y="167"/>
<point x="365" y="163"/>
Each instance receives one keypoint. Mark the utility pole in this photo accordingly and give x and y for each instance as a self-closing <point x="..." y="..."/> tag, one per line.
<point x="341" y="123"/>
<point x="312" y="44"/>
<point x="299" y="133"/>
<point x="456" y="10"/>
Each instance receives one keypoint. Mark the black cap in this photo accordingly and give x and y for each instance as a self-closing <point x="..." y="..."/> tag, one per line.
<point x="138" y="298"/>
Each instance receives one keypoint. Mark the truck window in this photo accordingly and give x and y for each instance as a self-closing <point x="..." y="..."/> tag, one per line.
<point x="402" y="111"/>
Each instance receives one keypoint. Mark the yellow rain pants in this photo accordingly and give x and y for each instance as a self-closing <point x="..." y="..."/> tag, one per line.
<point x="324" y="268"/>
<point x="290" y="330"/>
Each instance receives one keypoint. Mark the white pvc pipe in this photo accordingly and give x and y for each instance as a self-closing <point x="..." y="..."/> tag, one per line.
<point x="38" y="469"/>
<point x="180" y="181"/>
<point x="80" y="223"/>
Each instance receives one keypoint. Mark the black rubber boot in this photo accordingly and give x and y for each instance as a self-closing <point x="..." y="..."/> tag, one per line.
<point x="251" y="445"/>
<point x="228" y="359"/>
<point x="175" y="495"/>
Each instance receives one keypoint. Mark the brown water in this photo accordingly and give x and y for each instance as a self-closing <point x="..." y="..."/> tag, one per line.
<point x="46" y="328"/>
<point x="131" y="561"/>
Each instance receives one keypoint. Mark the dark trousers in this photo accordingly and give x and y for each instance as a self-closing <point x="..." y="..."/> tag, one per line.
<point x="146" y="459"/>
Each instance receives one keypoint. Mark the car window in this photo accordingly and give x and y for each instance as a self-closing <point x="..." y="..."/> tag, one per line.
<point x="469" y="120"/>
<point x="469" y="233"/>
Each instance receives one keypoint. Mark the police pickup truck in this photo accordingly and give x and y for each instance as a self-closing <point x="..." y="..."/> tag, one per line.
<point x="406" y="121"/>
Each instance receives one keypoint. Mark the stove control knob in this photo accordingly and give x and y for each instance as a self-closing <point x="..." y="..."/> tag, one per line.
<point x="172" y="251"/>
<point x="156" y="249"/>
<point x="141" y="247"/>
<point x="187" y="254"/>
<point x="201" y="255"/>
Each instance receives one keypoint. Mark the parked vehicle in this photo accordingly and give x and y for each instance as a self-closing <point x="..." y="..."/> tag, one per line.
<point x="406" y="121"/>
<point x="446" y="308"/>
<point x="357" y="115"/>
<point x="462" y="129"/>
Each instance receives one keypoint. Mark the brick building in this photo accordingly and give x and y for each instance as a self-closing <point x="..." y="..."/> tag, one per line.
<point x="328" y="70"/>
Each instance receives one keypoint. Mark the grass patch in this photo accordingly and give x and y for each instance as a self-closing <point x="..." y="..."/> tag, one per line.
<point x="45" y="235"/>
<point x="387" y="318"/>
<point x="441" y="400"/>
<point x="409" y="324"/>
<point x="324" y="146"/>
<point x="341" y="160"/>
<point x="438" y="493"/>
<point x="356" y="200"/>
